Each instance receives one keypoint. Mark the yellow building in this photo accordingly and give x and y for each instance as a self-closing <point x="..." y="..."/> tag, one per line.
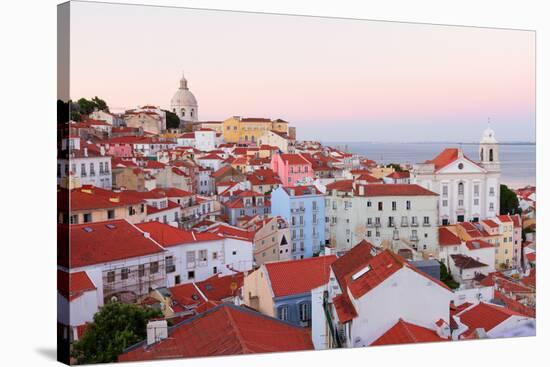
<point x="504" y="252"/>
<point x="249" y="130"/>
<point x="381" y="172"/>
<point x="213" y="125"/>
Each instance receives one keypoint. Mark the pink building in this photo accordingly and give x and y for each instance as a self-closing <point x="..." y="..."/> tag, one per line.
<point x="292" y="169"/>
<point x="117" y="147"/>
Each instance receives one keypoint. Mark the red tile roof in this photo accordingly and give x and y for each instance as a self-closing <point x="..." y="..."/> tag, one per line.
<point x="399" y="175"/>
<point x="168" y="236"/>
<point x="352" y="261"/>
<point x="489" y="223"/>
<point x="485" y="316"/>
<point x="397" y="190"/>
<point x="478" y="244"/>
<point x="444" y="158"/>
<point x="73" y="285"/>
<point x="226" y="230"/>
<point x="224" y="330"/>
<point x="170" y="206"/>
<point x="218" y="288"/>
<point x="102" y="242"/>
<point x="466" y="262"/>
<point x="294" y="159"/>
<point x="404" y="332"/>
<point x="298" y="276"/>
<point x="376" y="270"/>
<point x="448" y="238"/>
<point x="344" y="308"/>
<point x="90" y="197"/>
<point x="302" y="190"/>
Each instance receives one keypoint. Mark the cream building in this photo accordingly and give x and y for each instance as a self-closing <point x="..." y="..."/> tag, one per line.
<point x="469" y="190"/>
<point x="391" y="216"/>
<point x="249" y="130"/>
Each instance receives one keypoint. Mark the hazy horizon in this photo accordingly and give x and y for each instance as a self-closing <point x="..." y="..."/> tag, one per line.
<point x="381" y="81"/>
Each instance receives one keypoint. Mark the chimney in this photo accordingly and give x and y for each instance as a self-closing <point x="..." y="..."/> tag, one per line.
<point x="442" y="329"/>
<point x="361" y="190"/>
<point x="157" y="330"/>
<point x="102" y="150"/>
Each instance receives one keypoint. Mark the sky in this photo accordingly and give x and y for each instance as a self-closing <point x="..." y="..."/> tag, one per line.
<point x="334" y="79"/>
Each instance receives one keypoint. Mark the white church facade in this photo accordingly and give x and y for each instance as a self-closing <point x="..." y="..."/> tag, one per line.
<point x="468" y="190"/>
<point x="184" y="104"/>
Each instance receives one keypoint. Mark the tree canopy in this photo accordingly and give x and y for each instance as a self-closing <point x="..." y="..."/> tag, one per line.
<point x="172" y="120"/>
<point x="396" y="167"/>
<point x="509" y="203"/>
<point x="115" y="327"/>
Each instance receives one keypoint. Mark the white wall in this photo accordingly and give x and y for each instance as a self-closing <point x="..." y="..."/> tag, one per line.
<point x="406" y="294"/>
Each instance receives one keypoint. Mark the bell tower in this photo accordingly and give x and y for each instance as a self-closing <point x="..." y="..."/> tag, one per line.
<point x="489" y="151"/>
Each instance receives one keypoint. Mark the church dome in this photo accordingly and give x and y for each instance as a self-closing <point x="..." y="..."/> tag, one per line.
<point x="488" y="136"/>
<point x="183" y="96"/>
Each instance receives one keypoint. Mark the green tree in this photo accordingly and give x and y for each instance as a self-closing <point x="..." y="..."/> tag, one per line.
<point x="85" y="106"/>
<point x="396" y="167"/>
<point x="100" y="104"/>
<point x="115" y="327"/>
<point x="509" y="203"/>
<point x="446" y="277"/>
<point x="172" y="120"/>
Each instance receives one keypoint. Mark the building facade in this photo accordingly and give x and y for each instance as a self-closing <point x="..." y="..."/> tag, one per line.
<point x="469" y="190"/>
<point x="303" y="207"/>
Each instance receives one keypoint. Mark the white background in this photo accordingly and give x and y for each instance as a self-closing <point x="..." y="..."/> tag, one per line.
<point x="27" y="148"/>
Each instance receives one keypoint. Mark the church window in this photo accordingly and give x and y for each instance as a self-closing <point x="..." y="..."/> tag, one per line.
<point x="490" y="155"/>
<point x="192" y="111"/>
<point x="445" y="190"/>
<point x="460" y="166"/>
<point x="183" y="112"/>
<point x="461" y="188"/>
<point x="476" y="190"/>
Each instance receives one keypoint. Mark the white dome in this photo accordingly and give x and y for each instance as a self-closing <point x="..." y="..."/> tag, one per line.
<point x="488" y="136"/>
<point x="183" y="98"/>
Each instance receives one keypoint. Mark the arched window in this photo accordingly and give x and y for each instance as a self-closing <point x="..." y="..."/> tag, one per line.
<point x="183" y="111"/>
<point x="192" y="110"/>
<point x="481" y="155"/>
<point x="490" y="155"/>
<point x="461" y="188"/>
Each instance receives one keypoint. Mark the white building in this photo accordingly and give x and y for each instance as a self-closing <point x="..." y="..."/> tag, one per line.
<point x="194" y="257"/>
<point x="90" y="167"/>
<point x="394" y="216"/>
<point x="469" y="190"/>
<point x="369" y="297"/>
<point x="205" y="140"/>
<point x="184" y="104"/>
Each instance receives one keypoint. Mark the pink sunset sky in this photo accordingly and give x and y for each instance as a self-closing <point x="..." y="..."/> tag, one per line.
<point x="334" y="79"/>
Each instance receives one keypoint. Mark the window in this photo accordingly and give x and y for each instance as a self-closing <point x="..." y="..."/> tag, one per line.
<point x="394" y="205"/>
<point x="234" y="252"/>
<point x="445" y="190"/>
<point x="304" y="311"/>
<point x="369" y="221"/>
<point x="476" y="201"/>
<point x="408" y="205"/>
<point x="154" y="267"/>
<point x="111" y="214"/>
<point x="460" y="202"/>
<point x="414" y="222"/>
<point x="444" y="203"/>
<point x="426" y="221"/>
<point x="203" y="255"/>
<point x="83" y="170"/>
<point x="124" y="273"/>
<point x="390" y="222"/>
<point x="461" y="188"/>
<point x="282" y="313"/>
<point x="110" y="276"/>
<point x="170" y="267"/>
<point x="476" y="190"/>
<point x="369" y="233"/>
<point x="215" y="270"/>
<point x="141" y="270"/>
<point x="369" y="204"/>
<point x="59" y="169"/>
<point x="380" y="206"/>
<point x="92" y="169"/>
<point x="491" y="206"/>
<point x="87" y="217"/>
<point x="491" y="191"/>
<point x="191" y="275"/>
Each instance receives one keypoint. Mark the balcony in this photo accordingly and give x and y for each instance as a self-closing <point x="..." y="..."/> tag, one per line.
<point x="377" y="224"/>
<point x="414" y="238"/>
<point x="414" y="224"/>
<point x="170" y="268"/>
